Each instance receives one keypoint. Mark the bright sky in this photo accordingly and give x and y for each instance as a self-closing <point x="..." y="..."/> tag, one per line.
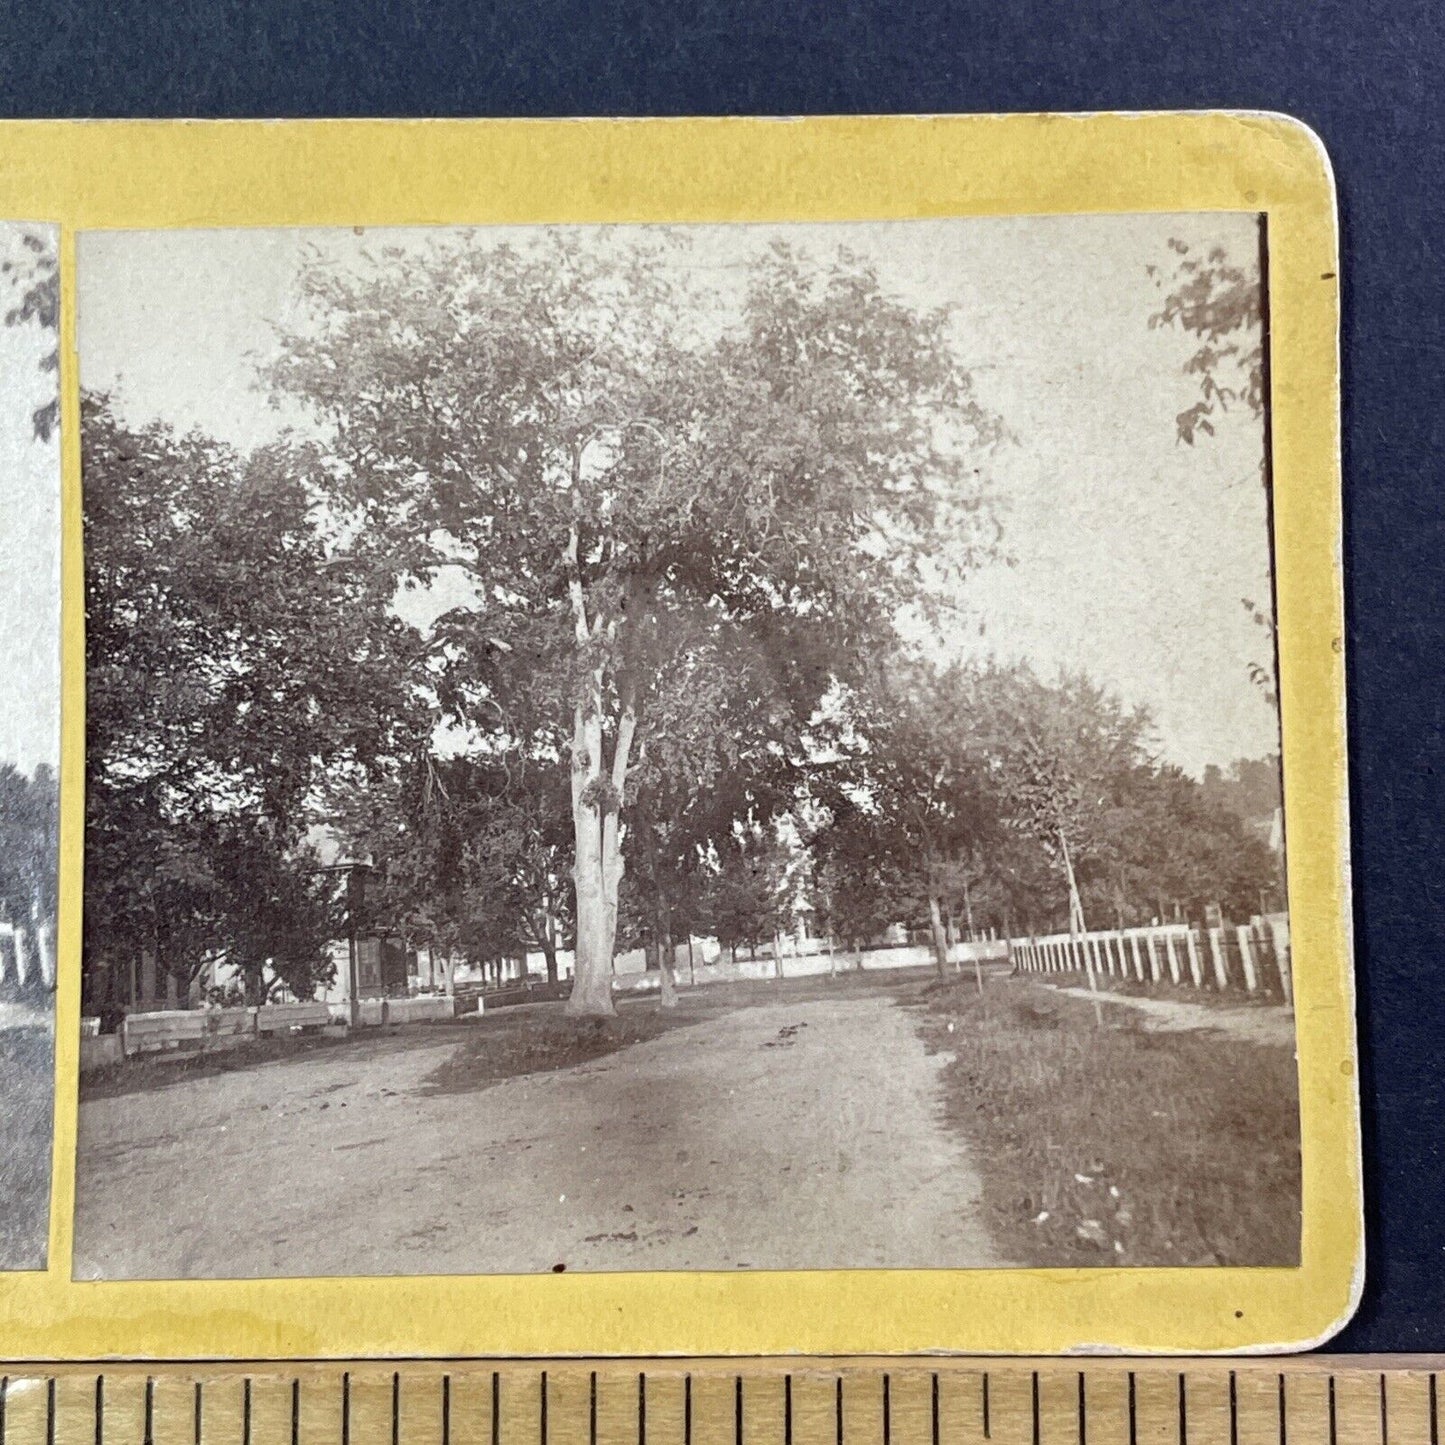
<point x="29" y="536"/>
<point x="1130" y="551"/>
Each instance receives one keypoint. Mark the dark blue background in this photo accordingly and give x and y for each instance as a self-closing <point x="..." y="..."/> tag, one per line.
<point x="1367" y="76"/>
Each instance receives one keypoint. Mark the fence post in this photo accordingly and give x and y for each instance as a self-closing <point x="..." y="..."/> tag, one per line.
<point x="1246" y="957"/>
<point x="1153" y="956"/>
<point x="45" y="943"/>
<point x="1138" y="957"/>
<point x="1173" y="957"/>
<point x="1279" y="936"/>
<point x="1216" y="953"/>
<point x="1195" y="971"/>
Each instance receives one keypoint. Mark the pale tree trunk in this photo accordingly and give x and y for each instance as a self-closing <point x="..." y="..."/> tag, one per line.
<point x="547" y="938"/>
<point x="972" y="934"/>
<point x="1076" y="926"/>
<point x="777" y="956"/>
<point x="939" y="936"/>
<point x="666" y="955"/>
<point x="597" y="872"/>
<point x="668" y="994"/>
<point x="592" y="981"/>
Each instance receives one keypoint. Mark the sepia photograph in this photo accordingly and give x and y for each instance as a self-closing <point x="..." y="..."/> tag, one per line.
<point x="29" y="732"/>
<point x="702" y="747"/>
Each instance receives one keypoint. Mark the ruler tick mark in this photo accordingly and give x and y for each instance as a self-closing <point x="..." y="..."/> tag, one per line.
<point x="1434" y="1414"/>
<point x="887" y="1410"/>
<point x="1283" y="1425"/>
<point x="346" y="1407"/>
<point x="4" y="1400"/>
<point x="447" y="1410"/>
<point x="1133" y="1411"/>
<point x="496" y="1406"/>
<point x="246" y="1411"/>
<point x="1183" y="1412"/>
<point x="50" y="1411"/>
<point x="837" y="1410"/>
<point x="935" y="1407"/>
<point x="738" y="1411"/>
<point x="1384" y="1413"/>
<point x="542" y="1411"/>
<point x="592" y="1409"/>
<point x="1331" y="1397"/>
<point x="100" y="1410"/>
<point x="1083" y="1410"/>
<point x="987" y="1432"/>
<point x="1233" y="1410"/>
<point x="295" y="1411"/>
<point x="641" y="1409"/>
<point x="396" y="1407"/>
<point x="150" y="1410"/>
<point x="687" y="1409"/>
<point x="787" y="1410"/>
<point x="1038" y="1431"/>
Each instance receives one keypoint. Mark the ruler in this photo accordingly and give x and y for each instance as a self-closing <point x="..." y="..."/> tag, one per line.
<point x="1340" y="1400"/>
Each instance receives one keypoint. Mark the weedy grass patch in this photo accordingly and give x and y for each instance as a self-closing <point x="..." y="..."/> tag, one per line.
<point x="1118" y="1144"/>
<point x="27" y="1069"/>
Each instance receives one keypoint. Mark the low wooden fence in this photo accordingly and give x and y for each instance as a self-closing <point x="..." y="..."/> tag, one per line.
<point x="1251" y="958"/>
<point x="417" y="1009"/>
<point x="148" y="1033"/>
<point x="813" y="965"/>
<point x="198" y="1030"/>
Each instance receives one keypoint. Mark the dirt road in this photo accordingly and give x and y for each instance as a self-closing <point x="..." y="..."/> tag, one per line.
<point x="795" y="1135"/>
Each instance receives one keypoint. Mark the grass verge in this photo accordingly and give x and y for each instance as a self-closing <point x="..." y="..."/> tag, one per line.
<point x="27" y="1075"/>
<point x="1118" y="1145"/>
<point x="535" y="1041"/>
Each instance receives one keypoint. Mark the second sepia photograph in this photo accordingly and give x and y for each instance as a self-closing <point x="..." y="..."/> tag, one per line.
<point x="709" y="748"/>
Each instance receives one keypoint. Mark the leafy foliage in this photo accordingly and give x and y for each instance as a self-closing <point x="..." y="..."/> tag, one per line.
<point x="235" y="680"/>
<point x="1219" y="302"/>
<point x="631" y="496"/>
<point x="36" y="276"/>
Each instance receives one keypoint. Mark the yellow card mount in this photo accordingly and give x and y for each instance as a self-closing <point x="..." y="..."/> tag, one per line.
<point x="679" y="738"/>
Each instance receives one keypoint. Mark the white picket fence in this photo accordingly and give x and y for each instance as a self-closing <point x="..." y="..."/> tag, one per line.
<point x="1253" y="958"/>
<point x="15" y="955"/>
